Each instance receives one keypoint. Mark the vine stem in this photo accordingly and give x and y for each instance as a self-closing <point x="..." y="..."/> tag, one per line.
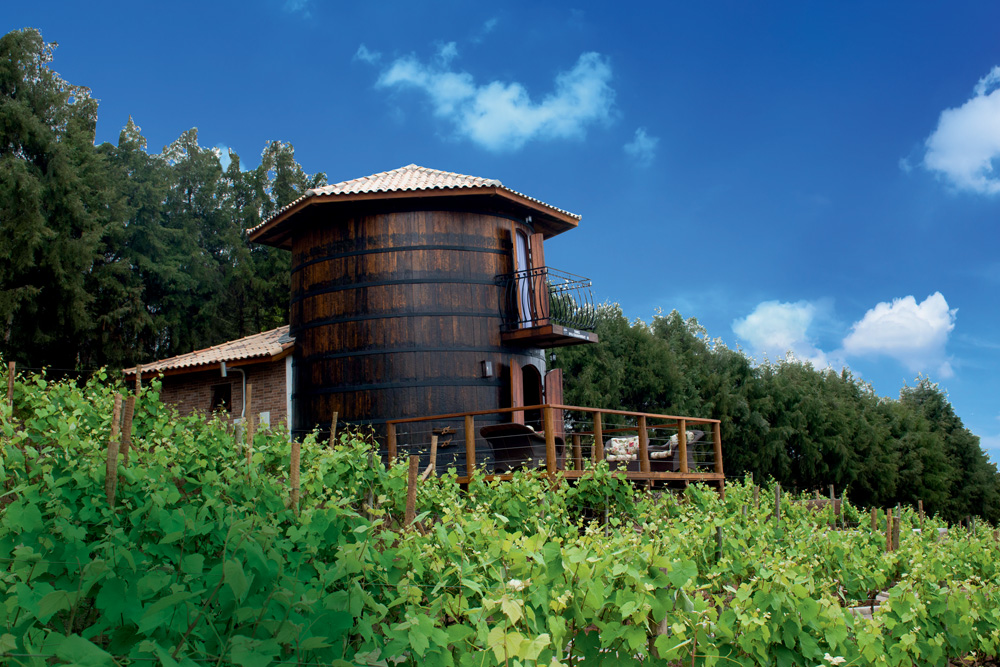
<point x="201" y="613"/>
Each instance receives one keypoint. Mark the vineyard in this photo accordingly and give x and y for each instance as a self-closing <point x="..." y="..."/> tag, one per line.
<point x="201" y="554"/>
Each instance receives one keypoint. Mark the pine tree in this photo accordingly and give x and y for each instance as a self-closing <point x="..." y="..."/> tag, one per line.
<point x="52" y="204"/>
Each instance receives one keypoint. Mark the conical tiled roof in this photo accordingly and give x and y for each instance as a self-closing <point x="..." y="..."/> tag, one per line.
<point x="411" y="178"/>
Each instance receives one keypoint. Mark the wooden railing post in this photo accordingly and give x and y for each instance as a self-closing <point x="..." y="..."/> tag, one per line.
<point x="682" y="444"/>
<point x="390" y="443"/>
<point x="470" y="445"/>
<point x="577" y="452"/>
<point x="717" y="443"/>
<point x="598" y="438"/>
<point x="550" y="442"/>
<point x="643" y="445"/>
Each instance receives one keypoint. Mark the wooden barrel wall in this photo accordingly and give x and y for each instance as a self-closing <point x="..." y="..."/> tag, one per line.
<point x="394" y="312"/>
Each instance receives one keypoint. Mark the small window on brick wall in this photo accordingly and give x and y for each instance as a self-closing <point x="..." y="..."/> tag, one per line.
<point x="222" y="397"/>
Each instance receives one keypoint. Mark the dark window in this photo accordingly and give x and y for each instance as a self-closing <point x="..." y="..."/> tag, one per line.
<point x="532" y="395"/>
<point x="222" y="397"/>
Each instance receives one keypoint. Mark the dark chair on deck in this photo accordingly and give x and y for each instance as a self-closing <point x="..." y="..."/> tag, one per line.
<point x="516" y="446"/>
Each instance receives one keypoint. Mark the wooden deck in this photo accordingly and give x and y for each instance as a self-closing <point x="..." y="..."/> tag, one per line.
<point x="655" y="449"/>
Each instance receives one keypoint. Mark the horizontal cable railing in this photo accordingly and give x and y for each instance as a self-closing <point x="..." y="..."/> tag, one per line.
<point x="566" y="439"/>
<point x="544" y="295"/>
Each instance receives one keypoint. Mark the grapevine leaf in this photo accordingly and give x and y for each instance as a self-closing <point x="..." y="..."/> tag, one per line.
<point x="78" y="651"/>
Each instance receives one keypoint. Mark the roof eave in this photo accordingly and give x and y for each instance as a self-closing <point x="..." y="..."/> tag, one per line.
<point x="276" y="232"/>
<point x="212" y="365"/>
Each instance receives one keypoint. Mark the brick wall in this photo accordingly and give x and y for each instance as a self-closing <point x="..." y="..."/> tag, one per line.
<point x="192" y="392"/>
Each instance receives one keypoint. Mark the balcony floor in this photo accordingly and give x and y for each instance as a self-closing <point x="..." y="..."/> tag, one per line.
<point x="547" y="335"/>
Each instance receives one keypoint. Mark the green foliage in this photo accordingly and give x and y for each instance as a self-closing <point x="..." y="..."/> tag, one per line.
<point x="202" y="559"/>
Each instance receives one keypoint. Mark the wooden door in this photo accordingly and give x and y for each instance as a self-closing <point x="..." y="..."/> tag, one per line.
<point x="539" y="281"/>
<point x="516" y="392"/>
<point x="524" y="284"/>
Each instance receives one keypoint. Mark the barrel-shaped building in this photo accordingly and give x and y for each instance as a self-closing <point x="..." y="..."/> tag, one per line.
<point x="417" y="292"/>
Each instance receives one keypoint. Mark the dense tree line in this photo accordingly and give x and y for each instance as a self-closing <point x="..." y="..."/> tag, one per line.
<point x="804" y="427"/>
<point x="111" y="255"/>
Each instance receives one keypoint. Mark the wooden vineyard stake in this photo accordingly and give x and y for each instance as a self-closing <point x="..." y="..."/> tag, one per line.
<point x="888" y="530"/>
<point x="249" y="443"/>
<point x="920" y="511"/>
<point x="434" y="456"/>
<point x="431" y="469"/>
<point x="816" y="494"/>
<point x="874" y="519"/>
<point x="293" y="474"/>
<point x="333" y="428"/>
<point x="248" y="411"/>
<point x="127" y="429"/>
<point x="470" y="446"/>
<point x="896" y="525"/>
<point x="777" y="504"/>
<point x="370" y="496"/>
<point x="411" y="490"/>
<point x="11" y="370"/>
<point x="598" y="438"/>
<point x="390" y="443"/>
<point x="756" y="496"/>
<point x="111" y="468"/>
<point x="744" y="512"/>
<point x="138" y="380"/>
<point x="833" y="507"/>
<point x="996" y="536"/>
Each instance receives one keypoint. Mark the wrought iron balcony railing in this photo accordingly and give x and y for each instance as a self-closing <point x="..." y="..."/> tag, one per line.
<point x="544" y="295"/>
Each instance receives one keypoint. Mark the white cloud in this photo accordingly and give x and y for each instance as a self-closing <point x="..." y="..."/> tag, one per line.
<point x="486" y="29"/>
<point x="370" y="57"/>
<point x="775" y="328"/>
<point x="298" y="7"/>
<point x="501" y="116"/>
<point x="965" y="147"/>
<point x="913" y="334"/>
<point x="447" y="53"/>
<point x="642" y="148"/>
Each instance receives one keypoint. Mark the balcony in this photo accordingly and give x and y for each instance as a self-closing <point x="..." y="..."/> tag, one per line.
<point x="545" y="307"/>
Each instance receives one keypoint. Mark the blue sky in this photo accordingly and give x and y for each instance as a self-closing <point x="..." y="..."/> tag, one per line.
<point x="816" y="177"/>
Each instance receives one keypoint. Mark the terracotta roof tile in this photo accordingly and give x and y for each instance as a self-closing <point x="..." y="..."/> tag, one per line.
<point x="409" y="178"/>
<point x="266" y="344"/>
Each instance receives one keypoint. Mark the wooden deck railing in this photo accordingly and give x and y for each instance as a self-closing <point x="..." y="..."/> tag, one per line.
<point x="584" y="441"/>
